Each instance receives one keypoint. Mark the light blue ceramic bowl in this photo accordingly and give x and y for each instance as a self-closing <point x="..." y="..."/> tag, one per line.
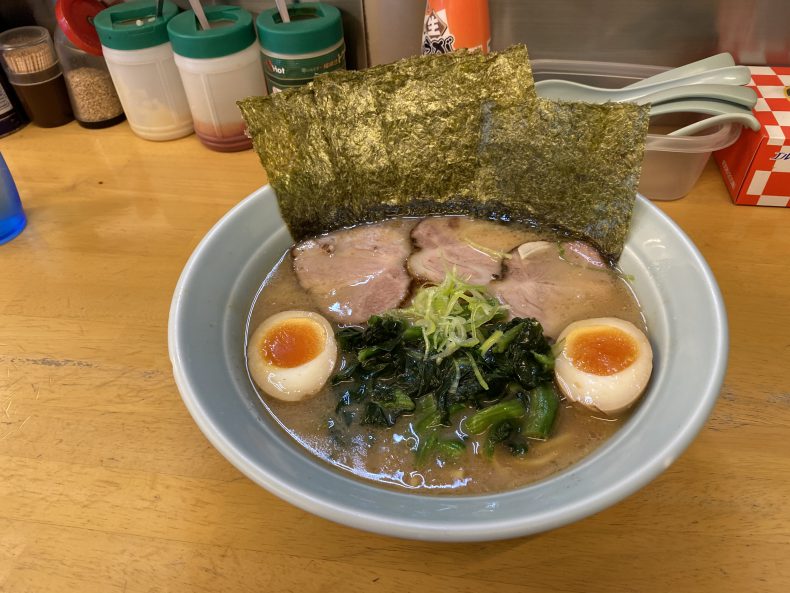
<point x="688" y="329"/>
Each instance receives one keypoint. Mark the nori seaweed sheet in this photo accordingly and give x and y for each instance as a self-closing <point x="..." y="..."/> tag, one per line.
<point x="454" y="133"/>
<point x="573" y="166"/>
<point x="293" y="150"/>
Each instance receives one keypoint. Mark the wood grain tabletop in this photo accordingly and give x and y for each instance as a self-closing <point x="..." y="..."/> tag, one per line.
<point x="107" y="485"/>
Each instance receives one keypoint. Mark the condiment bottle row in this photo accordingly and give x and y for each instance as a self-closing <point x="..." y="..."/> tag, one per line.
<point x="165" y="73"/>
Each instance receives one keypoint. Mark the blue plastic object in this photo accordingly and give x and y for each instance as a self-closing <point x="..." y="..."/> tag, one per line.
<point x="12" y="217"/>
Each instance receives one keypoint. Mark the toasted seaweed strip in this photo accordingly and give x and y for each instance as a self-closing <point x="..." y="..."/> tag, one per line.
<point x="432" y="118"/>
<point x="356" y="137"/>
<point x="574" y="166"/>
<point x="425" y="118"/>
<point x="457" y="133"/>
<point x="395" y="136"/>
<point x="287" y="135"/>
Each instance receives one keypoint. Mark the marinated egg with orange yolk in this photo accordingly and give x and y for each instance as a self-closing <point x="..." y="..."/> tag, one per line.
<point x="292" y="354"/>
<point x="605" y="363"/>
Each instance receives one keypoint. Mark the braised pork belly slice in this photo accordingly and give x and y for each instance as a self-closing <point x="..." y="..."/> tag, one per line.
<point x="555" y="283"/>
<point x="355" y="273"/>
<point x="473" y="248"/>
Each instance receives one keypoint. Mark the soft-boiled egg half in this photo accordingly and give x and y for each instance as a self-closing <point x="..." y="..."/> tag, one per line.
<point x="292" y="354"/>
<point x="605" y="363"/>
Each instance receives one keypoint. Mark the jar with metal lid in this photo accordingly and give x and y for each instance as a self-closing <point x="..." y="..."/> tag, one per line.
<point x="34" y="72"/>
<point x="218" y="66"/>
<point x="93" y="97"/>
<point x="295" y="52"/>
<point x="140" y="59"/>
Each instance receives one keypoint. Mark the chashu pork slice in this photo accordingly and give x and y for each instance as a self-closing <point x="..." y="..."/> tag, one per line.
<point x="556" y="283"/>
<point x="474" y="248"/>
<point x="355" y="273"/>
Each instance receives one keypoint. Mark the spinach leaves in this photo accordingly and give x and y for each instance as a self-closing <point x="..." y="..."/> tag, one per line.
<point x="387" y="373"/>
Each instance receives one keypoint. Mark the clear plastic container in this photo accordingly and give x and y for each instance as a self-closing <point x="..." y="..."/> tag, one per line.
<point x="671" y="165"/>
<point x="93" y="97"/>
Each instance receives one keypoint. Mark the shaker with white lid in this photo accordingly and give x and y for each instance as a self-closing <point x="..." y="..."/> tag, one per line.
<point x="219" y="66"/>
<point x="140" y="59"/>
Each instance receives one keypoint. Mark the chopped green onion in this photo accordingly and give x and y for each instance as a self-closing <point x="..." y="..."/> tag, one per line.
<point x="450" y="314"/>
<point x="490" y="341"/>
<point x="476" y="371"/>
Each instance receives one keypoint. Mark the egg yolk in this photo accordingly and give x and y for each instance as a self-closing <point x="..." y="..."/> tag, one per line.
<point x="292" y="343"/>
<point x="601" y="350"/>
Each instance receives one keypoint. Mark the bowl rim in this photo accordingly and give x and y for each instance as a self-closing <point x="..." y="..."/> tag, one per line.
<point x="585" y="506"/>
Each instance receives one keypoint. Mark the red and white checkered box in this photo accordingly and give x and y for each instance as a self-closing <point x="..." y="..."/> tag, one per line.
<point x="756" y="169"/>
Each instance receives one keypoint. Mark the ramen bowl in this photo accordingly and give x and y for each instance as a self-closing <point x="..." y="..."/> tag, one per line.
<point x="688" y="330"/>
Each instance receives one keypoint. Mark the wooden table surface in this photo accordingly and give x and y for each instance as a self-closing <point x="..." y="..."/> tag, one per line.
<point x="107" y="485"/>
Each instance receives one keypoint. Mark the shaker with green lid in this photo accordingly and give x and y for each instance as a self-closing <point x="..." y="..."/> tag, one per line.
<point x="293" y="53"/>
<point x="140" y="59"/>
<point x="219" y="66"/>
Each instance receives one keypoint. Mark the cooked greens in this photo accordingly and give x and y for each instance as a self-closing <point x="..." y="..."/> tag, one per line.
<point x="450" y="356"/>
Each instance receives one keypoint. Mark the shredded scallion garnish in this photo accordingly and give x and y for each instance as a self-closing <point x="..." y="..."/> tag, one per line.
<point x="450" y="315"/>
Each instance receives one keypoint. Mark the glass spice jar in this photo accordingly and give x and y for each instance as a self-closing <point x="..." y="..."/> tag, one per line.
<point x="12" y="114"/>
<point x="93" y="97"/>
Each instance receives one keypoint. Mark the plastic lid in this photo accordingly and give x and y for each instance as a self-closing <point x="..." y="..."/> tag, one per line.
<point x="24" y="37"/>
<point x="314" y="27"/>
<point x="75" y="18"/>
<point x="134" y="25"/>
<point x="231" y="31"/>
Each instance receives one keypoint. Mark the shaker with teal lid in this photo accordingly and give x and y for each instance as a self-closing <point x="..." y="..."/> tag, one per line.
<point x="219" y="66"/>
<point x="295" y="52"/>
<point x="139" y="56"/>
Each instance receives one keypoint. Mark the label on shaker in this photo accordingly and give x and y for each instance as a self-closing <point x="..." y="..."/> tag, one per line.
<point x="5" y="103"/>
<point x="455" y="24"/>
<point x="11" y="118"/>
<point x="284" y="72"/>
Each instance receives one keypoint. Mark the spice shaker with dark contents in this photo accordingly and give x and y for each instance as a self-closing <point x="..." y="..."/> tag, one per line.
<point x="93" y="96"/>
<point x="33" y="69"/>
<point x="12" y="114"/>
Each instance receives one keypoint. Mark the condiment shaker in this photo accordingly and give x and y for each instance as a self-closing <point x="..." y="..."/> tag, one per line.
<point x="12" y="114"/>
<point x="455" y="24"/>
<point x="33" y="69"/>
<point x="140" y="59"/>
<point x="218" y="67"/>
<point x="93" y="97"/>
<point x="293" y="53"/>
